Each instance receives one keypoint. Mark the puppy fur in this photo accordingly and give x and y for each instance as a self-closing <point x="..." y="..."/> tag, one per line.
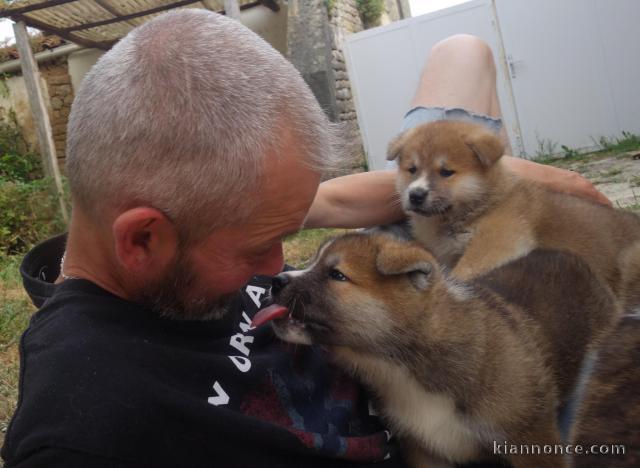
<point x="475" y="215"/>
<point x="455" y="366"/>
<point x="609" y="413"/>
<point x="609" y="396"/>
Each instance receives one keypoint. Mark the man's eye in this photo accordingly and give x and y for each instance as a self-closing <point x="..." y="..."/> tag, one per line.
<point x="446" y="172"/>
<point x="337" y="275"/>
<point x="412" y="169"/>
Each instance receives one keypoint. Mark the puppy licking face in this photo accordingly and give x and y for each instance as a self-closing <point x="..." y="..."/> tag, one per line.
<point x="359" y="291"/>
<point x="442" y="166"/>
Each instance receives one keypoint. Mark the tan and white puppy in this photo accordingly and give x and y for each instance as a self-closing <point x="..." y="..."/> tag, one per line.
<point x="475" y="215"/>
<point x="455" y="366"/>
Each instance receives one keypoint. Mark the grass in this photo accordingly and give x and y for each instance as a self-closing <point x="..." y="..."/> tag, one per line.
<point x="15" y="311"/>
<point x="547" y="154"/>
<point x="300" y="248"/>
<point x="612" y="173"/>
<point x="628" y="142"/>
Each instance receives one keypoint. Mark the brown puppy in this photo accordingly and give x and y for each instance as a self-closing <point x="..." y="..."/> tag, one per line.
<point x="609" y="391"/>
<point x="609" y="415"/>
<point x="456" y="367"/>
<point x="462" y="200"/>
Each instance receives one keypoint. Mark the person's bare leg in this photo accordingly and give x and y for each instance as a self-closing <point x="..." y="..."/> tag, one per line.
<point x="460" y="72"/>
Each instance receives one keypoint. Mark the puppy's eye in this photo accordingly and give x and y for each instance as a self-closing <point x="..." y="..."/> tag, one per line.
<point x="412" y="170"/>
<point x="446" y="172"/>
<point x="337" y="275"/>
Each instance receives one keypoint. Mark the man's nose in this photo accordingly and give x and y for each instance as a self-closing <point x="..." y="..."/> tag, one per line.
<point x="418" y="196"/>
<point x="279" y="282"/>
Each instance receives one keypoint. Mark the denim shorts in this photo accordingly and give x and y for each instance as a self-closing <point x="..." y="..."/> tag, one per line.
<point x="420" y="115"/>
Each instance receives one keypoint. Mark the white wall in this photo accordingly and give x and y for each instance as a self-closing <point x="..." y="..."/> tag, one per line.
<point x="567" y="70"/>
<point x="270" y="25"/>
<point x="385" y="63"/>
<point x="80" y="63"/>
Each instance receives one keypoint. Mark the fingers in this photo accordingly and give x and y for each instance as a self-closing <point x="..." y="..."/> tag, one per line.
<point x="575" y="184"/>
<point x="560" y="180"/>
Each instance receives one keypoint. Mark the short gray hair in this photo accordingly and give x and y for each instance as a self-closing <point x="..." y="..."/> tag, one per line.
<point x="180" y="115"/>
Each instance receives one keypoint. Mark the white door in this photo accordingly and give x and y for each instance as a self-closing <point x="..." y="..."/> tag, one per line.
<point x="618" y="23"/>
<point x="558" y="74"/>
<point x="385" y="63"/>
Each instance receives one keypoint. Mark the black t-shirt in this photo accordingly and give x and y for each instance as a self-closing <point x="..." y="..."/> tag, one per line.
<point x="105" y="382"/>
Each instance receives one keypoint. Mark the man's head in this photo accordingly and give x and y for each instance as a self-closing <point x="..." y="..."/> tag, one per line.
<point x="193" y="148"/>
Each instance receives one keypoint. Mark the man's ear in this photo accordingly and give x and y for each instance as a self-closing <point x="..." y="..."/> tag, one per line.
<point x="397" y="258"/>
<point x="145" y="240"/>
<point x="487" y="147"/>
<point x="395" y="146"/>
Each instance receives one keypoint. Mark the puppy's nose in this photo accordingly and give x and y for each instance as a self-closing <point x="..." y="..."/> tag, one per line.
<point x="279" y="282"/>
<point x="417" y="196"/>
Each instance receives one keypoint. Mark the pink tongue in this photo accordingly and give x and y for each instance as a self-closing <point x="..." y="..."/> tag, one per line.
<point x="269" y="313"/>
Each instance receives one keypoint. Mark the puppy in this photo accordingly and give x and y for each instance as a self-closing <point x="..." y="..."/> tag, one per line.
<point x="609" y="413"/>
<point x="456" y="367"/>
<point x="608" y="394"/>
<point x="475" y="215"/>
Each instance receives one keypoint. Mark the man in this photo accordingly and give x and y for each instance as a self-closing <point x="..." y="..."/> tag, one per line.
<point x="193" y="149"/>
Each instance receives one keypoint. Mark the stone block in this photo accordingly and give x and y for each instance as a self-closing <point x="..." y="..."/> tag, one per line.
<point x="343" y="94"/>
<point x="56" y="103"/>
<point x="64" y="90"/>
<point x="338" y="66"/>
<point x="340" y="106"/>
<point x="60" y="79"/>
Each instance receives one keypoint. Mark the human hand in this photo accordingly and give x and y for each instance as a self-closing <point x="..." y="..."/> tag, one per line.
<point x="560" y="180"/>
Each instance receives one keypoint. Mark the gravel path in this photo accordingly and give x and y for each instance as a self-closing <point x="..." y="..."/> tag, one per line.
<point x="617" y="175"/>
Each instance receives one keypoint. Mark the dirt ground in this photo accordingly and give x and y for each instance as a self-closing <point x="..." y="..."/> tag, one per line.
<point x="617" y="175"/>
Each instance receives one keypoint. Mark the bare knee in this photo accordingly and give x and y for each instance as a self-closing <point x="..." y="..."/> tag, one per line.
<point x="462" y="43"/>
<point x="472" y="48"/>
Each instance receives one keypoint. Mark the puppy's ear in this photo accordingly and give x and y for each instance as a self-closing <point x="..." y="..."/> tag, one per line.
<point x="395" y="147"/>
<point x="487" y="147"/>
<point x="396" y="258"/>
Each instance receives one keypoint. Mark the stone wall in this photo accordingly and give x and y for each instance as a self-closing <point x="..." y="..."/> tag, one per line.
<point x="56" y="75"/>
<point x="58" y="93"/>
<point x="309" y="49"/>
<point x="344" y="19"/>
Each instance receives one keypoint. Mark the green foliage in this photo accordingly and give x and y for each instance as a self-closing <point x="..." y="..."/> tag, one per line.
<point x="331" y="4"/>
<point x="15" y="307"/>
<point x="370" y="11"/>
<point x="21" y="168"/>
<point x="4" y="87"/>
<point x="546" y="151"/>
<point x="28" y="213"/>
<point x="28" y="208"/>
<point x="15" y="162"/>
<point x="569" y="153"/>
<point x="628" y="142"/>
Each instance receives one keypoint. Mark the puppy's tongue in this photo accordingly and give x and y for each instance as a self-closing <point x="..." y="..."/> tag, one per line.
<point x="269" y="313"/>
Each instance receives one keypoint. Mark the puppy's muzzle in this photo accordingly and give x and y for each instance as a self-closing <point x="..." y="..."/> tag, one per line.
<point x="279" y="282"/>
<point x="417" y="197"/>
